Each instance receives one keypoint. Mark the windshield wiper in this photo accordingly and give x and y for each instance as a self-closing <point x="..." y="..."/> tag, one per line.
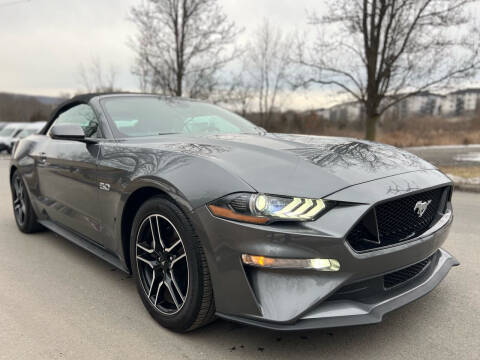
<point x="169" y="133"/>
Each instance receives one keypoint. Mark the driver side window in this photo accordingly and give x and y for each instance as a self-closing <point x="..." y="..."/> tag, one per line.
<point x="82" y="115"/>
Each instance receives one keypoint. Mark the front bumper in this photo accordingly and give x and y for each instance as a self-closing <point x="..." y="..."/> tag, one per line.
<point x="305" y="299"/>
<point x="370" y="310"/>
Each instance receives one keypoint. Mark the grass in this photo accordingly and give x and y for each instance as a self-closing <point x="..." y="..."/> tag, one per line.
<point x="413" y="131"/>
<point x="432" y="137"/>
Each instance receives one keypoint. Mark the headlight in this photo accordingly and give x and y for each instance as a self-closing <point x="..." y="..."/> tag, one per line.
<point x="263" y="209"/>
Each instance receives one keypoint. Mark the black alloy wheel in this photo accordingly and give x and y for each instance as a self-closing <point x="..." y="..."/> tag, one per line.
<point x="25" y="217"/>
<point x="170" y="267"/>
<point x="162" y="264"/>
<point x="19" y="201"/>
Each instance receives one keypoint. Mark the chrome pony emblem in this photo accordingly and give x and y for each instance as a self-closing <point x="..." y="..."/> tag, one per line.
<point x="421" y="207"/>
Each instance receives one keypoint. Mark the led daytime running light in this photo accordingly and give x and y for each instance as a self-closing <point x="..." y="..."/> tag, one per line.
<point x="293" y="208"/>
<point x="283" y="263"/>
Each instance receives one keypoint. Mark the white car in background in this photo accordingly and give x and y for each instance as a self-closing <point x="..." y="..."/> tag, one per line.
<point x="10" y="133"/>
<point x="29" y="129"/>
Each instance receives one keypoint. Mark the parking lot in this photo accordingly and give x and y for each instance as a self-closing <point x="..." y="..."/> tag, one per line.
<point x="450" y="155"/>
<point x="58" y="301"/>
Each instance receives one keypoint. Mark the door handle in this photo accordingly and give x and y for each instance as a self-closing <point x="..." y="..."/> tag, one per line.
<point x="42" y="158"/>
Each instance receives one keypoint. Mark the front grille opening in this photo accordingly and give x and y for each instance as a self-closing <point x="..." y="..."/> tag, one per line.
<point x="395" y="221"/>
<point x="399" y="277"/>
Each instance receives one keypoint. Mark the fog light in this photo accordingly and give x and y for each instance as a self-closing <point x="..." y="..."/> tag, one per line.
<point x="282" y="263"/>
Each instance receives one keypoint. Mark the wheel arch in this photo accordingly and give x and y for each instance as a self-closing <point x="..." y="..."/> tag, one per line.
<point x="131" y="205"/>
<point x="179" y="185"/>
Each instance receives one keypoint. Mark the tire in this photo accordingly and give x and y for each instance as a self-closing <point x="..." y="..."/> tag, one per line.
<point x="25" y="216"/>
<point x="171" y="276"/>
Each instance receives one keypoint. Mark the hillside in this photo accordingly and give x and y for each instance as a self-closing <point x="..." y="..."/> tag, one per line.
<point x="26" y="108"/>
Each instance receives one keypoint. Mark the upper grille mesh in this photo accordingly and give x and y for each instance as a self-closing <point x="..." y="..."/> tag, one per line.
<point x="397" y="221"/>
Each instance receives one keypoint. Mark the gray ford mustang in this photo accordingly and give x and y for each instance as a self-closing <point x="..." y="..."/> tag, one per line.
<point x="215" y="217"/>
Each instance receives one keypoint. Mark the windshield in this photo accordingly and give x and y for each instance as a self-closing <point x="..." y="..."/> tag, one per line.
<point x="25" y="133"/>
<point x="148" y="116"/>
<point x="7" y="132"/>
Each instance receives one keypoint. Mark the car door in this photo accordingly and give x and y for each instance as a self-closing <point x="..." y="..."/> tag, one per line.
<point x="68" y="176"/>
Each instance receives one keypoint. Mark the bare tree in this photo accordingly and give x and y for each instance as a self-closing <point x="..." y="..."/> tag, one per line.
<point x="242" y="93"/>
<point x="236" y="90"/>
<point x="268" y="62"/>
<point x="181" y="45"/>
<point x="94" y="77"/>
<point x="382" y="51"/>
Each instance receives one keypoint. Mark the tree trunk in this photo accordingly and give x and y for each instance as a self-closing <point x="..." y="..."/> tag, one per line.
<point x="371" y="128"/>
<point x="179" y="90"/>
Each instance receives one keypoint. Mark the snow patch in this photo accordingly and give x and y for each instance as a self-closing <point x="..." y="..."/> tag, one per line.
<point x="472" y="157"/>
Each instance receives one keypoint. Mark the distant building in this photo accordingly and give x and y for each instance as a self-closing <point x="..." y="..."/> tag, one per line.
<point x="350" y="111"/>
<point x="457" y="103"/>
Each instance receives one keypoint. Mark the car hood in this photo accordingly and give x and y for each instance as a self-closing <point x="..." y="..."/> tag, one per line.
<point x="297" y="165"/>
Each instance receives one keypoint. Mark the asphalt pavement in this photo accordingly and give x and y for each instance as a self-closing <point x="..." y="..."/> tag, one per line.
<point x="449" y="155"/>
<point x="58" y="301"/>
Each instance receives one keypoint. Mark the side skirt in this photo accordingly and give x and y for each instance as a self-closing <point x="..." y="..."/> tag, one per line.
<point x="85" y="244"/>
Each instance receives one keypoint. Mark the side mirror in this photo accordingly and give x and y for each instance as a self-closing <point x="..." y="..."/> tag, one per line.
<point x="67" y="132"/>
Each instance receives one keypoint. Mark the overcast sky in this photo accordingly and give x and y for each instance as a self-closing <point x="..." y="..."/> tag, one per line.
<point x="44" y="42"/>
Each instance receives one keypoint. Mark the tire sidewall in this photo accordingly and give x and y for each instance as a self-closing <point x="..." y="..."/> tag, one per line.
<point x="184" y="318"/>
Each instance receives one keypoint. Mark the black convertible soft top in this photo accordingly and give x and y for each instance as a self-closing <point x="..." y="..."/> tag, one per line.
<point x="74" y="101"/>
<point x="85" y="99"/>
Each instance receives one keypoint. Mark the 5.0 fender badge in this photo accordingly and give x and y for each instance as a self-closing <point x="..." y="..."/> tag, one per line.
<point x="104" y="186"/>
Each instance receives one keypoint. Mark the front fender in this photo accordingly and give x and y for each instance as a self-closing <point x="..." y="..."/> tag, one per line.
<point x="192" y="181"/>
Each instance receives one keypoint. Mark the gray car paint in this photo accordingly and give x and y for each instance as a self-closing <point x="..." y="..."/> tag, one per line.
<point x="63" y="180"/>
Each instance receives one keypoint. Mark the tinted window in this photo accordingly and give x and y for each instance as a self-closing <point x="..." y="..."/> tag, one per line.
<point x="7" y="132"/>
<point x="147" y="116"/>
<point x="25" y="133"/>
<point x="82" y="115"/>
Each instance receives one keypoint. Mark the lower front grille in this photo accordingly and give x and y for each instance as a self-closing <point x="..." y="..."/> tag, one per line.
<point x="399" y="277"/>
<point x="381" y="285"/>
